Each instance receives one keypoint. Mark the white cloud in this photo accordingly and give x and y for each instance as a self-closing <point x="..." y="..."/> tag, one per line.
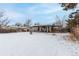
<point x="43" y="9"/>
<point x="13" y="14"/>
<point x="43" y="13"/>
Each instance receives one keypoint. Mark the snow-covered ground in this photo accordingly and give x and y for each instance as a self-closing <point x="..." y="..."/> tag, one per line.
<point x="37" y="44"/>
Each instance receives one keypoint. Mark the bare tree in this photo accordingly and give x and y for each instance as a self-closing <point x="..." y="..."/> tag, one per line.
<point x="28" y="23"/>
<point x="37" y="23"/>
<point x="4" y="21"/>
<point x="60" y="23"/>
<point x="18" y="24"/>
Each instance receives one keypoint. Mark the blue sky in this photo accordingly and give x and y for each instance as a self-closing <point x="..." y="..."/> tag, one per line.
<point x="38" y="12"/>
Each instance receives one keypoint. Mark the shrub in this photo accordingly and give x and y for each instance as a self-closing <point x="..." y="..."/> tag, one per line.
<point x="74" y="35"/>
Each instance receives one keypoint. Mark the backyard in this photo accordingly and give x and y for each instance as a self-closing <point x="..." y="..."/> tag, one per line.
<point x="36" y="44"/>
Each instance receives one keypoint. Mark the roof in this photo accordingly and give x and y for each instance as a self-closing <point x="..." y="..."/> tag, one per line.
<point x="47" y="25"/>
<point x="17" y="27"/>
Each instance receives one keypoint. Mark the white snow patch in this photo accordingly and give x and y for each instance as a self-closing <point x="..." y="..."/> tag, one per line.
<point x="37" y="44"/>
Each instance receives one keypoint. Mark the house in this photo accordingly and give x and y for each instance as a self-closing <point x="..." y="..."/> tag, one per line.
<point x="20" y="29"/>
<point x="46" y="28"/>
<point x="14" y="29"/>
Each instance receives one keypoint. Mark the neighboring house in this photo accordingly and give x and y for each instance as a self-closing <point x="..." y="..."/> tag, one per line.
<point x="46" y="28"/>
<point x="20" y="29"/>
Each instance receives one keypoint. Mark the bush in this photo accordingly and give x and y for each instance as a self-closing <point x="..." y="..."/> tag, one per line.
<point x="75" y="34"/>
<point x="7" y="30"/>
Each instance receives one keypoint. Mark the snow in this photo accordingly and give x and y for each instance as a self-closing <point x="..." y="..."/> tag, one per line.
<point x="37" y="44"/>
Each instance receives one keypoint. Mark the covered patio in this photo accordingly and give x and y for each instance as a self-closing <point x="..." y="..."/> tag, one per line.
<point x="45" y="28"/>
